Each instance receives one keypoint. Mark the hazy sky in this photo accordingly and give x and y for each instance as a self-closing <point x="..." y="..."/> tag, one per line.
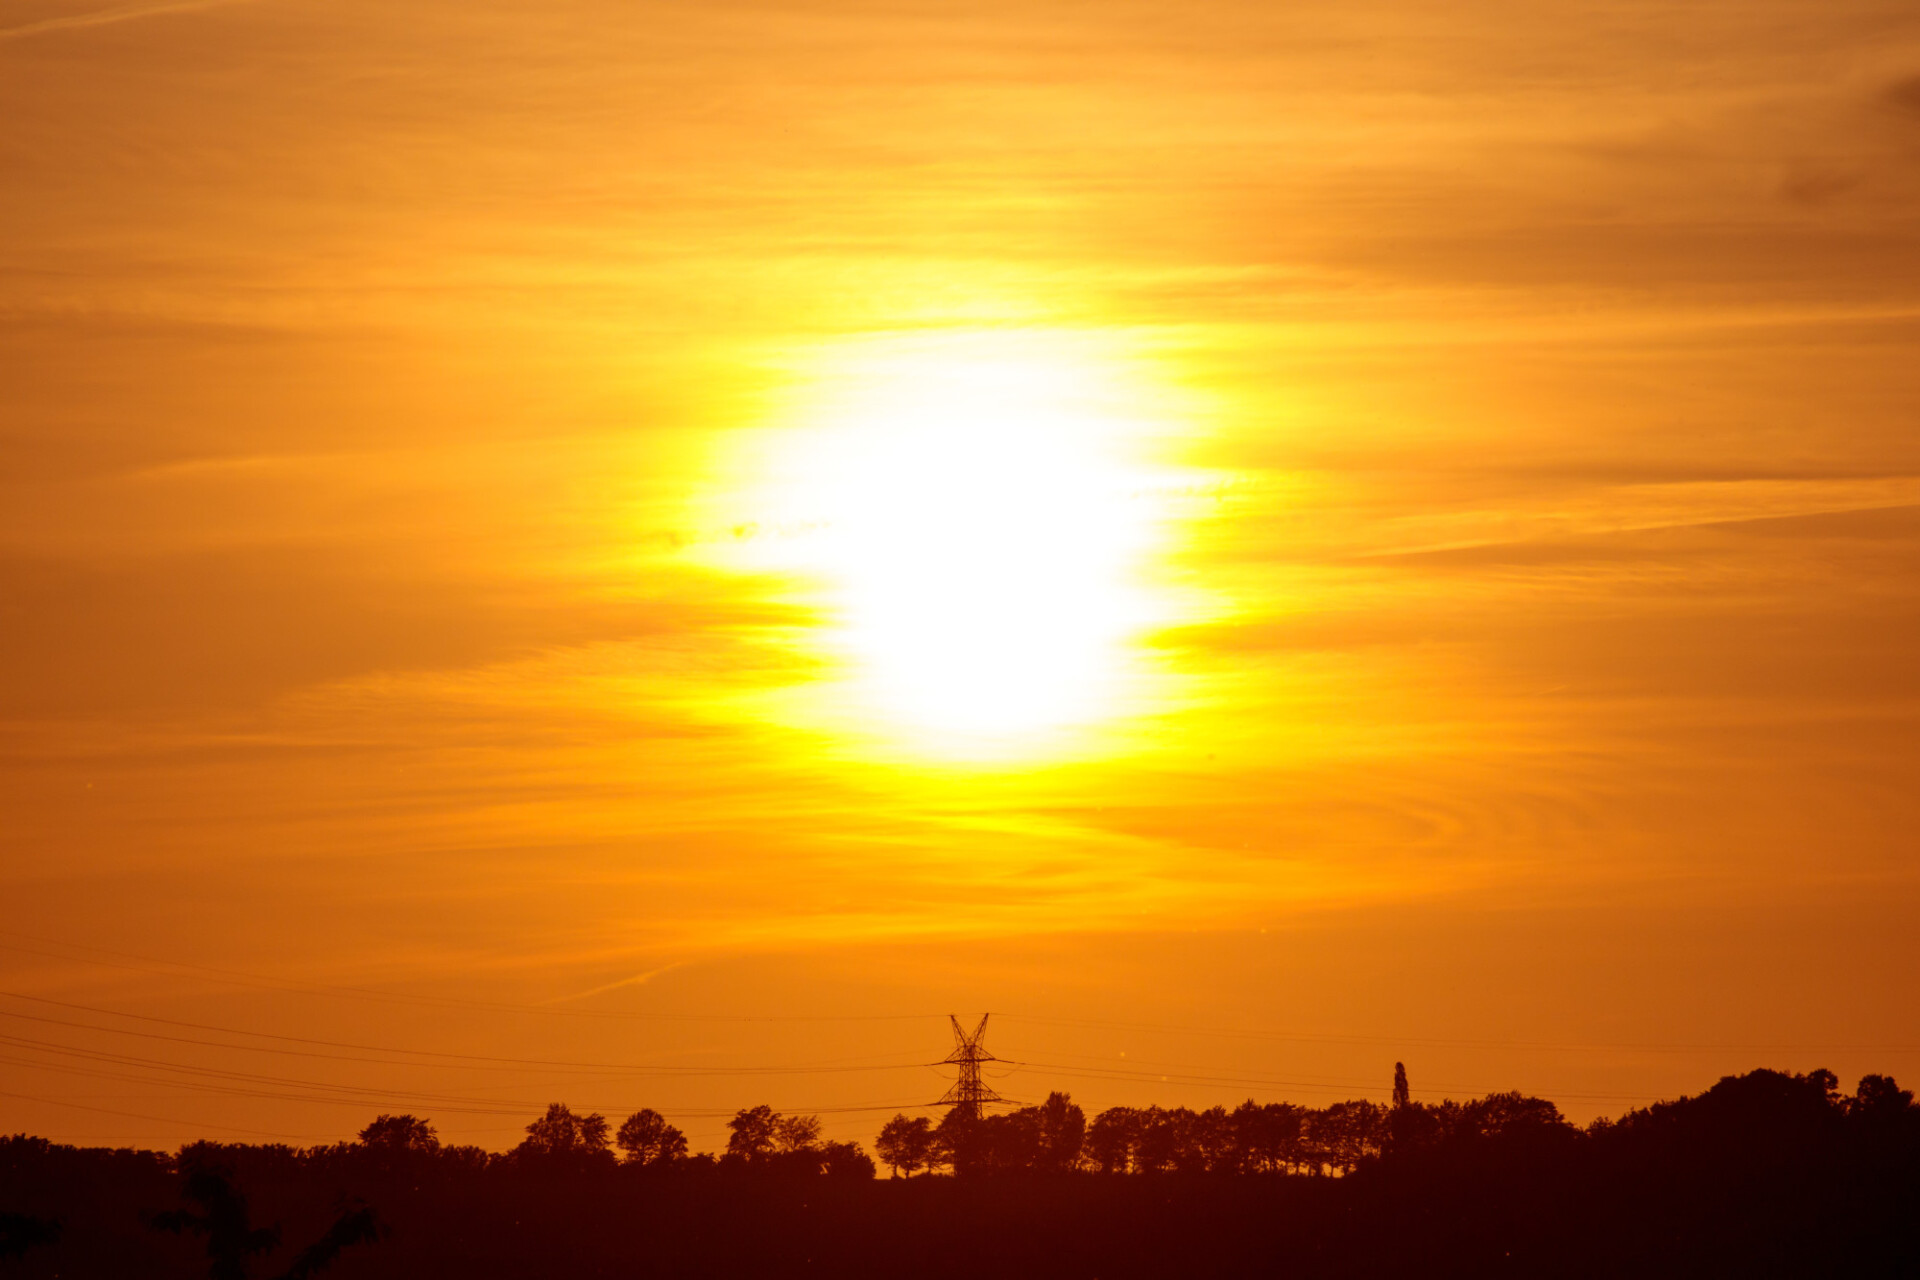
<point x="619" y="533"/>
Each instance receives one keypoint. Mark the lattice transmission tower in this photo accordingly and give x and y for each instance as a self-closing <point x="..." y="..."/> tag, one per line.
<point x="970" y="1093"/>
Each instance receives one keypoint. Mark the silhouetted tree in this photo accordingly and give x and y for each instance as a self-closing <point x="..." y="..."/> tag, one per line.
<point x="1210" y="1146"/>
<point x="1268" y="1136"/>
<point x="465" y="1157"/>
<point x="561" y="1137"/>
<point x="846" y="1160"/>
<point x="1110" y="1140"/>
<point x="399" y="1133"/>
<point x="796" y="1133"/>
<point x="1507" y="1114"/>
<point x="394" y="1142"/>
<point x="752" y="1134"/>
<point x="1403" y="1118"/>
<point x="648" y="1140"/>
<point x="906" y="1144"/>
<point x="1753" y="1117"/>
<point x="1061" y="1130"/>
<point x="224" y="1220"/>
<point x="956" y="1141"/>
<point x="764" y="1139"/>
<point x="1156" y="1138"/>
<point x="1879" y="1098"/>
<point x="1358" y="1130"/>
<point x="1042" y="1139"/>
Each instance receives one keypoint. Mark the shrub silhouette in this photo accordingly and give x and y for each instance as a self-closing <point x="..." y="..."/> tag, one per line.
<point x="226" y="1222"/>
<point x="20" y="1232"/>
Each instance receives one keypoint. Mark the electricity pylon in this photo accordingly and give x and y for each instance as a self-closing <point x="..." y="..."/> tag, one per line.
<point x="969" y="1093"/>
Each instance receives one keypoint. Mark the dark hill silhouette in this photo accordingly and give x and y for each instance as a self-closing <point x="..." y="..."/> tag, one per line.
<point x="1764" y="1174"/>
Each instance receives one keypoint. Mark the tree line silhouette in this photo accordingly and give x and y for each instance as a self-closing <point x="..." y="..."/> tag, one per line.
<point x="1768" y="1173"/>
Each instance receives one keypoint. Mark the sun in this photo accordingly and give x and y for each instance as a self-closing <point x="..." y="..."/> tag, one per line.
<point x="977" y="520"/>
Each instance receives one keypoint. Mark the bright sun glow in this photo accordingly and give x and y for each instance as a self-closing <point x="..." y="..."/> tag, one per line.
<point x="973" y="510"/>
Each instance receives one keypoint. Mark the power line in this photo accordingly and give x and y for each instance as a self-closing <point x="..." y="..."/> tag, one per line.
<point x="241" y="978"/>
<point x="448" y="1057"/>
<point x="243" y="1084"/>
<point x="1442" y="1042"/>
<point x="378" y="1098"/>
<point x="55" y="1102"/>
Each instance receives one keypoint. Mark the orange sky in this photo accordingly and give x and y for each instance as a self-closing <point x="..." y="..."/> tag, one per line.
<point x="621" y="533"/>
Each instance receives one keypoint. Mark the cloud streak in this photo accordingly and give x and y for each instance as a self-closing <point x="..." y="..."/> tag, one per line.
<point x="637" y="980"/>
<point x="113" y="17"/>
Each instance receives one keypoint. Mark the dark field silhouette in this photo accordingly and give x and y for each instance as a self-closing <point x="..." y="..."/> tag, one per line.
<point x="1765" y="1174"/>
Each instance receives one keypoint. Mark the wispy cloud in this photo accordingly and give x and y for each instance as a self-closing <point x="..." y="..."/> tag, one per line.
<point x="108" y="17"/>
<point x="637" y="980"/>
